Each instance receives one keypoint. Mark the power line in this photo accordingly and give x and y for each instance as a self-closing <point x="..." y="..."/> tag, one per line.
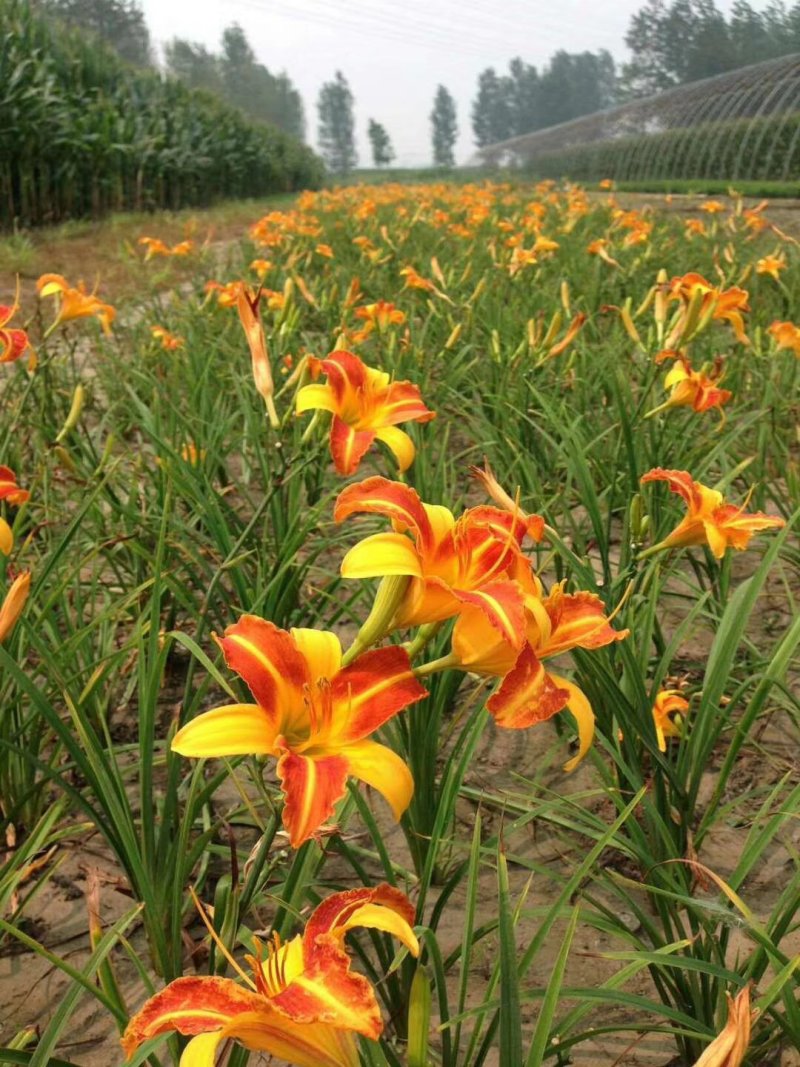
<point x="379" y="21"/>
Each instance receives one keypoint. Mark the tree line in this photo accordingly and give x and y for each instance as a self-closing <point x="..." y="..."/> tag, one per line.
<point x="671" y="42"/>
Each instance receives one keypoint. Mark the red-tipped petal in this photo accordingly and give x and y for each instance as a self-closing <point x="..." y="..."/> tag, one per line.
<point x="346" y="374"/>
<point x="379" y="496"/>
<point x="269" y="661"/>
<point x="13" y="344"/>
<point x="527" y="694"/>
<point x="348" y="445"/>
<point x="312" y="787"/>
<point x="403" y="403"/>
<point x="577" y="620"/>
<point x="327" y="989"/>
<point x="191" y="1006"/>
<point x="373" y="688"/>
<point x="680" y="482"/>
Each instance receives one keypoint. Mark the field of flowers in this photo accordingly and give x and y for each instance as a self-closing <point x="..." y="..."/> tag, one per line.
<point x="397" y="642"/>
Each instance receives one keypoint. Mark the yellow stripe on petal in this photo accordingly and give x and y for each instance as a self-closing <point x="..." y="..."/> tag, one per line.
<point x="384" y="770"/>
<point x="380" y="555"/>
<point x="201" y="1051"/>
<point x="322" y="651"/>
<point x="399" y="443"/>
<point x="581" y="709"/>
<point x="232" y="730"/>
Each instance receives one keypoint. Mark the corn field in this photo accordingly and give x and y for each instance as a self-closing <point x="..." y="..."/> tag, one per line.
<point x="83" y="133"/>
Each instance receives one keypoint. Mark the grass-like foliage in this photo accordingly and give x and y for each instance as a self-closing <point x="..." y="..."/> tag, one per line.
<point x="400" y="600"/>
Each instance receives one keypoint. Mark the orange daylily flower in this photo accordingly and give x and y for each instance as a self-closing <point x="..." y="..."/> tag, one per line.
<point x="324" y="250"/>
<point x="599" y="248"/>
<point x="156" y="247"/>
<point x="528" y="693"/>
<point x="366" y="406"/>
<point x="14" y="343"/>
<point x="786" y="335"/>
<point x="772" y="265"/>
<point x="695" y="228"/>
<point x="13" y="603"/>
<point x="701" y="303"/>
<point x="304" y="1004"/>
<point x="381" y="314"/>
<point x="606" y="183"/>
<point x="729" y="1048"/>
<point x="473" y="560"/>
<point x="170" y="342"/>
<point x="261" y="267"/>
<point x="668" y="713"/>
<point x="10" y="491"/>
<point x="227" y="293"/>
<point x="691" y="388"/>
<point x="709" y="520"/>
<point x="311" y="713"/>
<point x="413" y="280"/>
<point x="75" y="303"/>
<point x="712" y="207"/>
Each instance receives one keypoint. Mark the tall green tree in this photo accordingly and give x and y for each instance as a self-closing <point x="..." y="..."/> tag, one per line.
<point x="380" y="142"/>
<point x="194" y="65"/>
<point x="336" y="130"/>
<point x="682" y="41"/>
<point x="120" y="23"/>
<point x="444" y="128"/>
<point x="492" y="113"/>
<point x="236" y="75"/>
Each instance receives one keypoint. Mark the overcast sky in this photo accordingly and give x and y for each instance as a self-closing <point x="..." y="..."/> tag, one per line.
<point x="394" y="55"/>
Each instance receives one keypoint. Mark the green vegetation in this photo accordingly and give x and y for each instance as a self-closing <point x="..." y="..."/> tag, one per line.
<point x="761" y="150"/>
<point x="82" y="133"/>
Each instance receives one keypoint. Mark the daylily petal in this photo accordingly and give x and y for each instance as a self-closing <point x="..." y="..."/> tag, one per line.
<point x="269" y="661"/>
<point x="479" y="646"/>
<point x="232" y="730"/>
<point x="403" y="403"/>
<point x="317" y="396"/>
<point x="503" y="605"/>
<point x="379" y="496"/>
<point x="527" y="695"/>
<point x="327" y="989"/>
<point x="202" y="1050"/>
<point x="373" y="688"/>
<point x="321" y="649"/>
<point x="6" y="538"/>
<point x="312" y="1044"/>
<point x="380" y="555"/>
<point x="384" y="770"/>
<point x="577" y="620"/>
<point x="717" y="541"/>
<point x="346" y="374"/>
<point x="190" y="1005"/>
<point x="312" y="786"/>
<point x="399" y="444"/>
<point x="581" y="709"/>
<point x="348" y="445"/>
